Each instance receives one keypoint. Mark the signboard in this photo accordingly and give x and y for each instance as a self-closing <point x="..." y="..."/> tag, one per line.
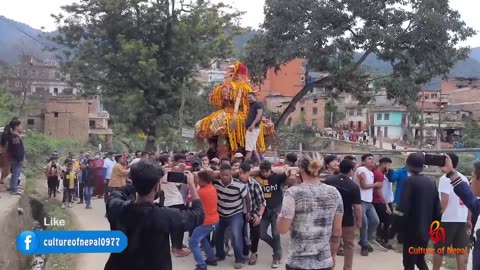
<point x="188" y="133"/>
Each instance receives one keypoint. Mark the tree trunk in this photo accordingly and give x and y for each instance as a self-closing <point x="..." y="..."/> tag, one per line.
<point x="151" y="141"/>
<point x="182" y="106"/>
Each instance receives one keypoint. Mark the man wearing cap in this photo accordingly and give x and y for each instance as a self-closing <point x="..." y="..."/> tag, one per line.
<point x="239" y="157"/>
<point x="419" y="207"/>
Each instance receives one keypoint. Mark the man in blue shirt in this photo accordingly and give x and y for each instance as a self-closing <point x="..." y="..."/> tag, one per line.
<point x="469" y="196"/>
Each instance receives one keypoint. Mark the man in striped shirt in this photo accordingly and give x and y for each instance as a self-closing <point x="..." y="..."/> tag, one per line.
<point x="231" y="197"/>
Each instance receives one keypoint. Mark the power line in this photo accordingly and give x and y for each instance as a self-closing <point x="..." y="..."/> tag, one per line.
<point x="24" y="32"/>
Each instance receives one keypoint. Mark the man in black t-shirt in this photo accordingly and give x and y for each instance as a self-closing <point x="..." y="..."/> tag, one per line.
<point x="352" y="205"/>
<point x="252" y="123"/>
<point x="272" y="186"/>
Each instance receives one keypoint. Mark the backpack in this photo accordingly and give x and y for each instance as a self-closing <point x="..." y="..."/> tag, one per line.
<point x="53" y="170"/>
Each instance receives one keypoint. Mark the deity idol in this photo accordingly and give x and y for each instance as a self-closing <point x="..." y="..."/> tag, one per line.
<point x="225" y="129"/>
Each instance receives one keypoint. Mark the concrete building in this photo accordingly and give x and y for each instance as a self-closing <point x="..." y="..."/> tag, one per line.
<point x="77" y="119"/>
<point x="287" y="81"/>
<point x="310" y="110"/>
<point x="356" y="118"/>
<point x="215" y="74"/>
<point x="39" y="78"/>
<point x="390" y="122"/>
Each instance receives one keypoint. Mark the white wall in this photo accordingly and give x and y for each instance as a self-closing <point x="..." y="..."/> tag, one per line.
<point x="394" y="132"/>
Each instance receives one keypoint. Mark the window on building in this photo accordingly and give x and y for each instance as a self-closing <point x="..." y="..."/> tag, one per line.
<point x="92" y="123"/>
<point x="17" y="84"/>
<point x="315" y="111"/>
<point x="315" y="101"/>
<point x="387" y="116"/>
<point x="55" y="90"/>
<point x="351" y="112"/>
<point x="429" y="114"/>
<point x="302" y="109"/>
<point x="30" y="122"/>
<point x="426" y="96"/>
<point x="55" y="114"/>
<point x="379" y="116"/>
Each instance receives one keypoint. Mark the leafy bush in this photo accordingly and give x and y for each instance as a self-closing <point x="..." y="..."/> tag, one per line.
<point x="7" y="107"/>
<point x="39" y="147"/>
<point x="465" y="164"/>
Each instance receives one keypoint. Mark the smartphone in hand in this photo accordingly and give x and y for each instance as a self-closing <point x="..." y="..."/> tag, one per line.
<point x="435" y="160"/>
<point x="176" y="177"/>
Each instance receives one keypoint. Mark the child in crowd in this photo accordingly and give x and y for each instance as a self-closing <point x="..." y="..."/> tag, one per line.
<point x="69" y="183"/>
<point x="52" y="173"/>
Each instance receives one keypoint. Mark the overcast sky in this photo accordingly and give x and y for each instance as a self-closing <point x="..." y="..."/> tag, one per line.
<point x="36" y="13"/>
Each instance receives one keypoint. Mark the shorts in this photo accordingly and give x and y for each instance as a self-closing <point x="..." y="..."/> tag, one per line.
<point x="455" y="235"/>
<point x="251" y="140"/>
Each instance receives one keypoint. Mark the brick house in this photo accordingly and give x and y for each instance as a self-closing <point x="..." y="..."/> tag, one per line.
<point x="78" y="119"/>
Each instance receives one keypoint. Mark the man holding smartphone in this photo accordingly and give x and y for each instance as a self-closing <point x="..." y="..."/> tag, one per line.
<point x="469" y="195"/>
<point x="174" y="199"/>
<point x="454" y="219"/>
<point x="146" y="224"/>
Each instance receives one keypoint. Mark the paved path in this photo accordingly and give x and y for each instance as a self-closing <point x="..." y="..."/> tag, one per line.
<point x="93" y="219"/>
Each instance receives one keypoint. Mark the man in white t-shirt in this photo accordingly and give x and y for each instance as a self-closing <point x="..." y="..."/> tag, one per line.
<point x="174" y="199"/>
<point x="144" y="156"/>
<point x="454" y="219"/>
<point x="365" y="179"/>
<point x="108" y="165"/>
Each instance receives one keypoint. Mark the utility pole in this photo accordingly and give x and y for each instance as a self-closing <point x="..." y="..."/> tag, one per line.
<point x="439" y="132"/>
<point x="422" y="123"/>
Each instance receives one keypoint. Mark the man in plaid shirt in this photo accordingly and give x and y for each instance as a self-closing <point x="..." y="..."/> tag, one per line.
<point x="258" y="207"/>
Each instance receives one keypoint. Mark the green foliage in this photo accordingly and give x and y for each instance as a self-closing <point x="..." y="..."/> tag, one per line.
<point x="418" y="38"/>
<point x="140" y="54"/>
<point x="471" y="138"/>
<point x="39" y="147"/>
<point x="465" y="164"/>
<point x="7" y="106"/>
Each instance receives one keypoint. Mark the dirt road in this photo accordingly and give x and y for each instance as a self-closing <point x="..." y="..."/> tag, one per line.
<point x="93" y="219"/>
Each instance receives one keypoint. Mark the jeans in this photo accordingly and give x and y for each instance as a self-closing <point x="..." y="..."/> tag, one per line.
<point x="68" y="195"/>
<point x="269" y="219"/>
<point x="200" y="236"/>
<point x="88" y="195"/>
<point x="235" y="223"/>
<point x="254" y="238"/>
<point x="14" y="179"/>
<point x="80" y="192"/>
<point x="386" y="220"/>
<point x="370" y="223"/>
<point x="106" y="191"/>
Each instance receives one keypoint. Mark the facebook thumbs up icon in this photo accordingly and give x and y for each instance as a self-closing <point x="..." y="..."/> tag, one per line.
<point x="27" y="242"/>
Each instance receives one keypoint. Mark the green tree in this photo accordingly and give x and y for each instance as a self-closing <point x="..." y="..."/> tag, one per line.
<point x="8" y="105"/>
<point x="471" y="138"/>
<point x="419" y="38"/>
<point x="140" y="54"/>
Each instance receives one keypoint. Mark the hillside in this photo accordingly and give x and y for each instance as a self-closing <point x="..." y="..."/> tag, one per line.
<point x="18" y="37"/>
<point x="475" y="53"/>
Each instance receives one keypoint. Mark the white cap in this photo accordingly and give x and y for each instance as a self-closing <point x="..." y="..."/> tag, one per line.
<point x="238" y="155"/>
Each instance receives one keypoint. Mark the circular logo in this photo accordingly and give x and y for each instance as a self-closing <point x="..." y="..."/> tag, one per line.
<point x="27" y="242"/>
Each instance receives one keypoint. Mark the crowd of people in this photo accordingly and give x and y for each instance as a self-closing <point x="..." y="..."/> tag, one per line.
<point x="229" y="205"/>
